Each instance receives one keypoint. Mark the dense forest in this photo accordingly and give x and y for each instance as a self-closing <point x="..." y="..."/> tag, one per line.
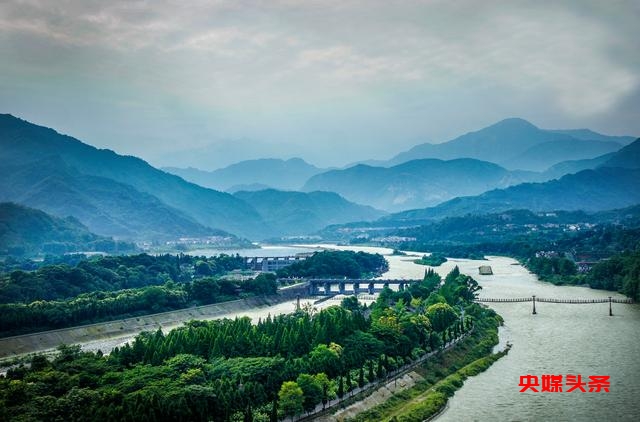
<point x="337" y="264"/>
<point x="233" y="370"/>
<point x="109" y="273"/>
<point x="70" y="291"/>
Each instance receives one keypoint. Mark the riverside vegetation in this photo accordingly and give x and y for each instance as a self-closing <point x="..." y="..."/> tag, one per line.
<point x="77" y="290"/>
<point x="233" y="370"/>
<point x="550" y="251"/>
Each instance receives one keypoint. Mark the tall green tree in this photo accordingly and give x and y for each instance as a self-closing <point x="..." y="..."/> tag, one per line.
<point x="290" y="399"/>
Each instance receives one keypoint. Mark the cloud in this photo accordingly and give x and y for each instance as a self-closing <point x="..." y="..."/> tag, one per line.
<point x="315" y="72"/>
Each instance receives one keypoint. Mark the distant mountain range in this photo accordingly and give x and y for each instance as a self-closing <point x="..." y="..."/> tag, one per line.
<point x="125" y="197"/>
<point x="517" y="144"/>
<point x="264" y="173"/>
<point x="27" y="231"/>
<point x="613" y="184"/>
<point x="573" y="166"/>
<point x="298" y="213"/>
<point x="111" y="194"/>
<point x="416" y="183"/>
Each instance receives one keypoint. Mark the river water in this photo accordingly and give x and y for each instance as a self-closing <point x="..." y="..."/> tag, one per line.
<point x="561" y="339"/>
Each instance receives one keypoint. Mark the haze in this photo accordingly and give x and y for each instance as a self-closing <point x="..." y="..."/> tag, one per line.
<point x="332" y="81"/>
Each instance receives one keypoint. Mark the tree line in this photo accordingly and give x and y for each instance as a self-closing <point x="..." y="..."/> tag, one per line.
<point x="109" y="273"/>
<point x="615" y="249"/>
<point x="232" y="370"/>
<point x="332" y="264"/>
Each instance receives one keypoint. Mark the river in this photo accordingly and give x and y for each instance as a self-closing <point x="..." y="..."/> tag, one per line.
<point x="560" y="339"/>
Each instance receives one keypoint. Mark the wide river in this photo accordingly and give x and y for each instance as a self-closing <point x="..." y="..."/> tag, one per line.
<point x="561" y="339"/>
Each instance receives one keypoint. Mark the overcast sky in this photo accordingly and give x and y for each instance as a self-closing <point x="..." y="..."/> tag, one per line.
<point x="330" y="81"/>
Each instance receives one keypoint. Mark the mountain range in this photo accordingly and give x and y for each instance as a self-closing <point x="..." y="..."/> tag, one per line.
<point x="615" y="183"/>
<point x="517" y="144"/>
<point x="296" y="213"/>
<point x="125" y="197"/>
<point x="416" y="183"/>
<point x="111" y="194"/>
<point x="252" y="175"/>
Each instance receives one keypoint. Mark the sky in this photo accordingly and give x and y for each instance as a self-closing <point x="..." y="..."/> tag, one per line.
<point x="209" y="83"/>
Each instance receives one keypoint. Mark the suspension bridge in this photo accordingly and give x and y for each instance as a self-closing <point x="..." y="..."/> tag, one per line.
<point x="535" y="299"/>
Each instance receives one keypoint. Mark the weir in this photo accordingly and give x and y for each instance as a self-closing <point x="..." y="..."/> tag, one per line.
<point x="329" y="287"/>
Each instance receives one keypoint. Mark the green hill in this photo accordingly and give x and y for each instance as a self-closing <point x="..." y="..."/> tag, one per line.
<point x="122" y="184"/>
<point x="27" y="231"/>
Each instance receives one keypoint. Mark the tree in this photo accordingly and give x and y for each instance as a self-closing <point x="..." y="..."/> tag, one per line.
<point x="290" y="399"/>
<point x="312" y="390"/>
<point x="441" y="315"/>
<point x="361" y="377"/>
<point x="326" y="359"/>
<point x="350" y="303"/>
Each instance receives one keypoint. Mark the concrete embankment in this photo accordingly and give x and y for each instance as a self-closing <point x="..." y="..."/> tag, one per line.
<point x="106" y="335"/>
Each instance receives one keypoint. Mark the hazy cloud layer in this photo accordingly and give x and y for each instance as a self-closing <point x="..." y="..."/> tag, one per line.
<point x="332" y="81"/>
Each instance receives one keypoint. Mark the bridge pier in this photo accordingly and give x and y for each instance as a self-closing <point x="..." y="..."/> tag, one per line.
<point x="327" y="288"/>
<point x="534" y="305"/>
<point x="372" y="289"/>
<point x="610" y="310"/>
<point x="356" y="288"/>
<point x="341" y="287"/>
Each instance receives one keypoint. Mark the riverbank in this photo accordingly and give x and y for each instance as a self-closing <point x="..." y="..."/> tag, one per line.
<point x="441" y="377"/>
<point x="107" y="335"/>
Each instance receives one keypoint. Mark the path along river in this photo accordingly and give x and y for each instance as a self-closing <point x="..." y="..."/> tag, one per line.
<point x="561" y="339"/>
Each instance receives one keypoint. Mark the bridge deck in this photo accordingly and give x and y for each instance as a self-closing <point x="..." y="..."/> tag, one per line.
<point x="552" y="300"/>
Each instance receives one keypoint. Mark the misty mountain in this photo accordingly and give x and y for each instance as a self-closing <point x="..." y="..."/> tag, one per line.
<point x="589" y="135"/>
<point x="271" y="172"/>
<point x="542" y="156"/>
<point x="64" y="176"/>
<point x="251" y="187"/>
<point x="601" y="189"/>
<point x="298" y="213"/>
<point x="517" y="144"/>
<point x="27" y="231"/>
<point x="573" y="166"/>
<point x="627" y="157"/>
<point x="414" y="184"/>
<point x="105" y="206"/>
